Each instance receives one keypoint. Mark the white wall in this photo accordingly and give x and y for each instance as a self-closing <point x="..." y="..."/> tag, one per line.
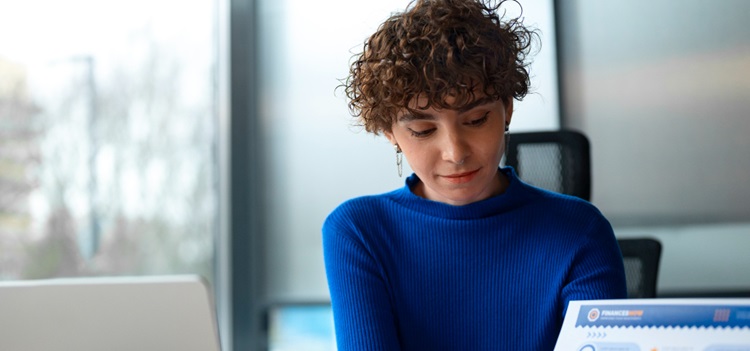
<point x="317" y="159"/>
<point x="700" y="258"/>
<point x="662" y="89"/>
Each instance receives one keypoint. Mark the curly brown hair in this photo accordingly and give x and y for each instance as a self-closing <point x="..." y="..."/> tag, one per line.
<point x="437" y="49"/>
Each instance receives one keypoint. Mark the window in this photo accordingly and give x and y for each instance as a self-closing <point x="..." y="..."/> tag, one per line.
<point x="107" y="138"/>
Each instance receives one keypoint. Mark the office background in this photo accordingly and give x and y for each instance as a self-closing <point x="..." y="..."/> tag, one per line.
<point x="158" y="137"/>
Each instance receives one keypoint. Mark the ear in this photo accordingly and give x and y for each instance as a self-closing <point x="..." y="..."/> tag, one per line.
<point x="390" y="137"/>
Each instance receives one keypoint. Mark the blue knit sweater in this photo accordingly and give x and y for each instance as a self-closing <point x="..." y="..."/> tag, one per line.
<point x="406" y="273"/>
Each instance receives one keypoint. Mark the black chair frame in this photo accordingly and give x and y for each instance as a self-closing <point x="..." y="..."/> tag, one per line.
<point x="575" y="159"/>
<point x="648" y="252"/>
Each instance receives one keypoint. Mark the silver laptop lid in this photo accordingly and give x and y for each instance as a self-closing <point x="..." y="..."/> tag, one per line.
<point x="108" y="313"/>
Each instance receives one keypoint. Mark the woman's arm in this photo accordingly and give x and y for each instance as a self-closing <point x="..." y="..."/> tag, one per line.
<point x="597" y="271"/>
<point x="362" y="311"/>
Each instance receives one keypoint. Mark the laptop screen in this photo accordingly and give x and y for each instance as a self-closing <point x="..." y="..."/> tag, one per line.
<point x="108" y="313"/>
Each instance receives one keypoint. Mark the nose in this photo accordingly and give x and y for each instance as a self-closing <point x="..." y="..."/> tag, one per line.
<point x="456" y="148"/>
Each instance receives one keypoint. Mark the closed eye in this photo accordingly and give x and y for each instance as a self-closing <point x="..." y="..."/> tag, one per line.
<point x="421" y="133"/>
<point x="479" y="121"/>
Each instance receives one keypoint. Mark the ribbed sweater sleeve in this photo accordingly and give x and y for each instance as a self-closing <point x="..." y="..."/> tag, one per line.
<point x="406" y="273"/>
<point x="364" y="318"/>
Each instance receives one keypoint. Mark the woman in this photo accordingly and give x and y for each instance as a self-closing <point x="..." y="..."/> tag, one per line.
<point x="465" y="256"/>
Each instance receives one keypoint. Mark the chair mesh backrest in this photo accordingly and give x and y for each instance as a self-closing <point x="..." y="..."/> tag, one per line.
<point x="541" y="165"/>
<point x="634" y="276"/>
<point x="641" y="258"/>
<point x="554" y="160"/>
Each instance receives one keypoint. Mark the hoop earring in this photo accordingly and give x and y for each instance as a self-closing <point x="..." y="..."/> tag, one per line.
<point x="507" y="139"/>
<point x="399" y="159"/>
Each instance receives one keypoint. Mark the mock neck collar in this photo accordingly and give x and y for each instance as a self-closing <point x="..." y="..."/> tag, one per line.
<point x="479" y="209"/>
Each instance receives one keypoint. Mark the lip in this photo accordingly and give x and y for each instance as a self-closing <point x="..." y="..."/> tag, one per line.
<point x="460" y="178"/>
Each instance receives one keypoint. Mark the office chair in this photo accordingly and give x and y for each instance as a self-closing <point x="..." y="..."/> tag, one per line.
<point x="641" y="257"/>
<point x="560" y="161"/>
<point x="554" y="160"/>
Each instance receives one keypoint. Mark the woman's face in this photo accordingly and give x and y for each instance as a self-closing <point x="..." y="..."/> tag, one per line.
<point x="454" y="152"/>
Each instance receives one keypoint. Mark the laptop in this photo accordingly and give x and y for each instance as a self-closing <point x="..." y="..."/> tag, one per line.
<point x="108" y="313"/>
<point x="706" y="324"/>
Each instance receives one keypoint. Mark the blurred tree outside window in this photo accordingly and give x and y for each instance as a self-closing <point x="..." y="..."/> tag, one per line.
<point x="107" y="138"/>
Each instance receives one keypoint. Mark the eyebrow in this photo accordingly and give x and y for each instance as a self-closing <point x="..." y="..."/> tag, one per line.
<point x="414" y="115"/>
<point x="478" y="102"/>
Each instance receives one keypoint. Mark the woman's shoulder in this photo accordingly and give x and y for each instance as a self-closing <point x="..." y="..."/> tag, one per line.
<point x="561" y="201"/>
<point x="550" y="200"/>
<point x="562" y="208"/>
<point x="367" y="201"/>
<point x="536" y="195"/>
<point x="366" y="206"/>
